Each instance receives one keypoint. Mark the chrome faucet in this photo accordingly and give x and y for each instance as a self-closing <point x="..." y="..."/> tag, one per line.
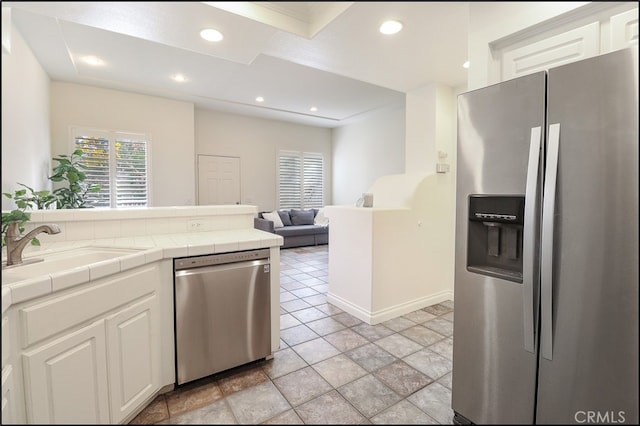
<point x="16" y="245"/>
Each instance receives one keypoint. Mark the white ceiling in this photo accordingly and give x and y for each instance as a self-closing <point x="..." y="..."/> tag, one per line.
<point x="294" y="54"/>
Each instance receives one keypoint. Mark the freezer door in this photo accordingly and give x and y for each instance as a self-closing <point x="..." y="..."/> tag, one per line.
<point x="589" y="321"/>
<point x="494" y="359"/>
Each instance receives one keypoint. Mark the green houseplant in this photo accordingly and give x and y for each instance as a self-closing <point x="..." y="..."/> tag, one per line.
<point x="70" y="169"/>
<point x="25" y="198"/>
<point x="15" y="216"/>
<point x="30" y="198"/>
<point x="72" y="196"/>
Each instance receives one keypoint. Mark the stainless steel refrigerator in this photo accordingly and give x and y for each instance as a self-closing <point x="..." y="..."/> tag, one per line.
<point x="546" y="269"/>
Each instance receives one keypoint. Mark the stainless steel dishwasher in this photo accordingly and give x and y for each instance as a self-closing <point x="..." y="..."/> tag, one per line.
<point x="222" y="312"/>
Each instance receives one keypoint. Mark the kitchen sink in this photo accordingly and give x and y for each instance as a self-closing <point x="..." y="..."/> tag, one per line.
<point x="58" y="261"/>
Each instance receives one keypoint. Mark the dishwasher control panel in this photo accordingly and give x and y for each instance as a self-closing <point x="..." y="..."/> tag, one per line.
<point x="220" y="258"/>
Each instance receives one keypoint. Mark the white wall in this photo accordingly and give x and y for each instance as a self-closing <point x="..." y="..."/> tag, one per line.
<point x="430" y="123"/>
<point x="256" y="142"/>
<point x="26" y="153"/>
<point x="430" y="127"/>
<point x="420" y="152"/>
<point x="404" y="256"/>
<point x="365" y="150"/>
<point x="169" y="122"/>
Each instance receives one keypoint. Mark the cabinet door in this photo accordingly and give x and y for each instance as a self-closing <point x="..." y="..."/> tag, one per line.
<point x="624" y="29"/>
<point x="133" y="356"/>
<point x="8" y="409"/>
<point x="66" y="379"/>
<point x="5" y="341"/>
<point x="571" y="46"/>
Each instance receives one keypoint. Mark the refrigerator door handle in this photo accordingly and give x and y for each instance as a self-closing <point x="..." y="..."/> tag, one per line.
<point x="529" y="238"/>
<point x="546" y="268"/>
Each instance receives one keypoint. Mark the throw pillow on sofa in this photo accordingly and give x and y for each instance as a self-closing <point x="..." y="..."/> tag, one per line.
<point x="284" y="217"/>
<point x="274" y="217"/>
<point x="301" y="217"/>
<point x="321" y="219"/>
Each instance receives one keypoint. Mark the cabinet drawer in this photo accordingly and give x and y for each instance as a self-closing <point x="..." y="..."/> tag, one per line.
<point x="49" y="317"/>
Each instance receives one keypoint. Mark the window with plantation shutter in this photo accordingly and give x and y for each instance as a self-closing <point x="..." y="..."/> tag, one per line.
<point x="300" y="180"/>
<point x="119" y="162"/>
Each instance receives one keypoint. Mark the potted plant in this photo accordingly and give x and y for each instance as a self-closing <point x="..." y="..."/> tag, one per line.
<point x="72" y="196"/>
<point x="25" y="198"/>
<point x="71" y="170"/>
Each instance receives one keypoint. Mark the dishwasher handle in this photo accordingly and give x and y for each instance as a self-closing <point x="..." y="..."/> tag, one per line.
<point x="197" y="270"/>
<point x="220" y="259"/>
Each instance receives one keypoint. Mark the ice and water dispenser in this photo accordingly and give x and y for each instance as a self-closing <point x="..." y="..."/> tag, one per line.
<point x="494" y="244"/>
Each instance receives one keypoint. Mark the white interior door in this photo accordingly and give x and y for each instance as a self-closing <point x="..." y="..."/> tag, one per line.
<point x="218" y="180"/>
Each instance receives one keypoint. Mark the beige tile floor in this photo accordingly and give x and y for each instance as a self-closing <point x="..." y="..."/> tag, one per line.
<point x="331" y="367"/>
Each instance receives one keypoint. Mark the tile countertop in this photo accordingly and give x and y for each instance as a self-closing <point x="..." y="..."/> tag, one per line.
<point x="152" y="248"/>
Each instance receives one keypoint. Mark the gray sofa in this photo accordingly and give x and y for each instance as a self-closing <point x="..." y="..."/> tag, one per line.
<point x="299" y="229"/>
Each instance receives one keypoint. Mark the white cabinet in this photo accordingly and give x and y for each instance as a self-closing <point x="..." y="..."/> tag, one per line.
<point x="570" y="46"/>
<point x="66" y="379"/>
<point x="133" y="356"/>
<point x="591" y="30"/>
<point x="8" y="399"/>
<point x="624" y="29"/>
<point x="5" y="341"/>
<point x="92" y="355"/>
<point x="9" y="414"/>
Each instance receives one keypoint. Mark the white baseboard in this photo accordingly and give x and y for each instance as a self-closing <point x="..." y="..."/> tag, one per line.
<point x="390" y="312"/>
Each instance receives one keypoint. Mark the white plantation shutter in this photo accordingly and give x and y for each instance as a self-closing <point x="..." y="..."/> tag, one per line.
<point x="118" y="162"/>
<point x="312" y="178"/>
<point x="300" y="180"/>
<point x="96" y="158"/>
<point x="290" y="175"/>
<point x="131" y="173"/>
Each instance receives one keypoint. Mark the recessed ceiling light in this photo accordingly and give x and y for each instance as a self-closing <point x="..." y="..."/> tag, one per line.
<point x="179" y="78"/>
<point x="259" y="99"/>
<point x="210" y="34"/>
<point x="313" y="109"/>
<point x="466" y="64"/>
<point x="390" y="27"/>
<point x="92" y="60"/>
